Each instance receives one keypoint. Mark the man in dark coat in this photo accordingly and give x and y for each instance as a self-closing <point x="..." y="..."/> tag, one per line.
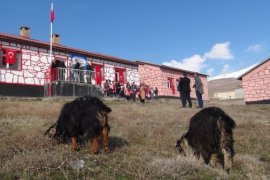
<point x="89" y="70"/>
<point x="184" y="88"/>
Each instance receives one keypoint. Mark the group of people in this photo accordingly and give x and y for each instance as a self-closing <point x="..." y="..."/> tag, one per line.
<point x="129" y="91"/>
<point x="184" y="90"/>
<point x="81" y="73"/>
<point x="77" y="72"/>
<point x="145" y="92"/>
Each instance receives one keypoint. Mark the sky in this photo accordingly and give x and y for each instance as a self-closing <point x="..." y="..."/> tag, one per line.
<point x="213" y="37"/>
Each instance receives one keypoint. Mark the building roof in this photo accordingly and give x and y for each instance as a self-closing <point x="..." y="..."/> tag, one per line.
<point x="59" y="47"/>
<point x="169" y="67"/>
<point x="264" y="61"/>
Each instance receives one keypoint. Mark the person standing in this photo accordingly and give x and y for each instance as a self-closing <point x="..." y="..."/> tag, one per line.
<point x="156" y="93"/>
<point x="184" y="87"/>
<point x="152" y="93"/>
<point x="142" y="93"/>
<point x="134" y="91"/>
<point x="179" y="88"/>
<point x="199" y="89"/>
<point x="106" y="88"/>
<point x="127" y="91"/>
<point x="118" y="89"/>
<point x="88" y="72"/>
<point x="77" y="71"/>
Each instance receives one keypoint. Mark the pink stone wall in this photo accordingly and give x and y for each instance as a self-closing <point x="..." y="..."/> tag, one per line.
<point x="34" y="64"/>
<point x="155" y="76"/>
<point x="256" y="84"/>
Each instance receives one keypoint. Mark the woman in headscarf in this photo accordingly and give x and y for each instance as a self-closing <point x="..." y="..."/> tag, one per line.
<point x="142" y="93"/>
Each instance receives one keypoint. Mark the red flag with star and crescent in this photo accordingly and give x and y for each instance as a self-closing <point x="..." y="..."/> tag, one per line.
<point x="52" y="14"/>
<point x="10" y="56"/>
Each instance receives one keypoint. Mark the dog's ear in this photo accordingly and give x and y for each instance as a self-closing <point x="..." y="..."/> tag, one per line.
<point x="51" y="131"/>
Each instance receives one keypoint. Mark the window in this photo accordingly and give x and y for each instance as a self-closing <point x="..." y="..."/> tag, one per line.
<point x="10" y="59"/>
<point x="176" y="84"/>
<point x="120" y="75"/>
<point x="168" y="83"/>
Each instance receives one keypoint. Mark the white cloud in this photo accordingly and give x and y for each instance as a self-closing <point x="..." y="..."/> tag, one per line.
<point x="220" y="51"/>
<point x="225" y="69"/>
<point x="255" y="48"/>
<point x="193" y="63"/>
<point x="210" y="71"/>
<point x="197" y="62"/>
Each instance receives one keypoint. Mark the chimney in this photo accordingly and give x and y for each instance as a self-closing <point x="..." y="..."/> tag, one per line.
<point x="25" y="32"/>
<point x="56" y="38"/>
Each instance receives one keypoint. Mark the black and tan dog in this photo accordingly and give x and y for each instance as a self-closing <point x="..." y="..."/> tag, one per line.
<point x="85" y="117"/>
<point x="209" y="136"/>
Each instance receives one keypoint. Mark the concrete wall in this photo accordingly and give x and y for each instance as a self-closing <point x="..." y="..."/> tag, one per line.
<point x="236" y="94"/>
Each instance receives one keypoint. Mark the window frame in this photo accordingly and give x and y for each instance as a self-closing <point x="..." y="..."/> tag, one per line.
<point x="18" y="63"/>
<point x="169" y="83"/>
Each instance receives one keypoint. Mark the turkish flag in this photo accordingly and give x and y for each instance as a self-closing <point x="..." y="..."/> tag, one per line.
<point x="172" y="85"/>
<point x="98" y="74"/>
<point x="121" y="75"/>
<point x="52" y="14"/>
<point x="10" y="56"/>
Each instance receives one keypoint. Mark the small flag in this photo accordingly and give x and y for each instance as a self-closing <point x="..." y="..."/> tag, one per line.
<point x="52" y="14"/>
<point x="10" y="56"/>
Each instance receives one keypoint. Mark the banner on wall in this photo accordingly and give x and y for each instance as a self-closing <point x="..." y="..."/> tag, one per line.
<point x="172" y="85"/>
<point x="79" y="58"/>
<point x="98" y="74"/>
<point x="121" y="75"/>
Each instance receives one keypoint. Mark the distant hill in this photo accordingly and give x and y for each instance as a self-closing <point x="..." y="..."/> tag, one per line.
<point x="226" y="82"/>
<point x="235" y="74"/>
<point x="223" y="85"/>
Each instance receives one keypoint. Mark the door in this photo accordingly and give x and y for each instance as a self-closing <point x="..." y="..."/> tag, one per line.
<point x="119" y="75"/>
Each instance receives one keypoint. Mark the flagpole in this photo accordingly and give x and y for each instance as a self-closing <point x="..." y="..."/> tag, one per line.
<point x="51" y="43"/>
<point x="50" y="58"/>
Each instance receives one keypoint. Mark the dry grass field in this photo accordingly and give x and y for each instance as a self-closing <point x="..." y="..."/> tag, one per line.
<point x="142" y="142"/>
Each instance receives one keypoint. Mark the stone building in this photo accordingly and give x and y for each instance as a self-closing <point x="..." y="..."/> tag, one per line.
<point x="166" y="78"/>
<point x="256" y="83"/>
<point x="27" y="70"/>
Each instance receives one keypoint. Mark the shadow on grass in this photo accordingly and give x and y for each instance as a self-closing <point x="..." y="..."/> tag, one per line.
<point x="116" y="142"/>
